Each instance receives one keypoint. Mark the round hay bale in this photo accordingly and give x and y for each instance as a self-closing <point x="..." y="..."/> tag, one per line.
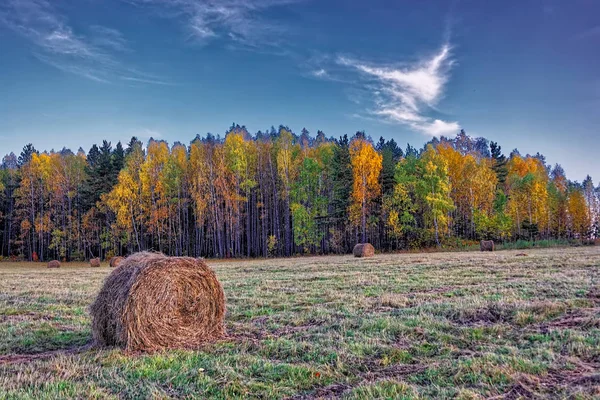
<point x="487" y="245"/>
<point x="115" y="261"/>
<point x="95" y="262"/>
<point x="363" y="250"/>
<point x="152" y="302"/>
<point x="54" y="264"/>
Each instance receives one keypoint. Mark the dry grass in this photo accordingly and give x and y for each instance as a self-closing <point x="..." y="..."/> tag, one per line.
<point x="440" y="325"/>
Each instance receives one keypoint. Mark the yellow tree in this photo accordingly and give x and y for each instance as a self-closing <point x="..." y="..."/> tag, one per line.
<point x="154" y="192"/>
<point x="29" y="202"/>
<point x="366" y="167"/>
<point x="198" y="177"/>
<point x="176" y="192"/>
<point x="206" y="188"/>
<point x="66" y="174"/>
<point x="288" y="158"/>
<point x="579" y="217"/>
<point x="125" y="199"/>
<point x="528" y="193"/>
<point x="240" y="155"/>
<point x="473" y="183"/>
<point x="557" y="202"/>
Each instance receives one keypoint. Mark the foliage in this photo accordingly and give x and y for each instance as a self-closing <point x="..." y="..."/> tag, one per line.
<point x="276" y="193"/>
<point x="366" y="166"/>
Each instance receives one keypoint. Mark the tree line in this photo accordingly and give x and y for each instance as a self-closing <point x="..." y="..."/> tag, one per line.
<point x="277" y="193"/>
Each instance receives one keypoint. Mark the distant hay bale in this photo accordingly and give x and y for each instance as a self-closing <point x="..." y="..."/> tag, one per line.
<point x="487" y="245"/>
<point x="115" y="261"/>
<point x="54" y="264"/>
<point x="363" y="250"/>
<point x="152" y="302"/>
<point x="95" y="262"/>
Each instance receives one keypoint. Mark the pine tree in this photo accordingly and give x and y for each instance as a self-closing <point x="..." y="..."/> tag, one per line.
<point x="342" y="179"/>
<point x="320" y="139"/>
<point x="9" y="182"/>
<point x="117" y="162"/>
<point x="26" y="154"/>
<point x="104" y="170"/>
<point x="498" y="163"/>
<point x="133" y="145"/>
<point x="391" y="154"/>
<point x="410" y="151"/>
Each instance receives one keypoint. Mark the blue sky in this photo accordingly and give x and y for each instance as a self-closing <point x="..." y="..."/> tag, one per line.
<point x="523" y="73"/>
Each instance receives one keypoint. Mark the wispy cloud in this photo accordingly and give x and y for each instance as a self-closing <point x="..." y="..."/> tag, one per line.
<point x="404" y="94"/>
<point x="92" y="54"/>
<point x="109" y="38"/>
<point x="240" y="21"/>
<point x="145" y="80"/>
<point x="146" y="134"/>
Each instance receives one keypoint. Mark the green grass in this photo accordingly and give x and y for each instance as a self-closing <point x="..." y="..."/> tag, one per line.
<point x="541" y="244"/>
<point x="465" y="325"/>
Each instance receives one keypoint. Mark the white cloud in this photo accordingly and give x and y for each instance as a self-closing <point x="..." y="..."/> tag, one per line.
<point x="400" y="115"/>
<point x="91" y="54"/>
<point x="437" y="127"/>
<point x="403" y="94"/>
<point x="320" y="73"/>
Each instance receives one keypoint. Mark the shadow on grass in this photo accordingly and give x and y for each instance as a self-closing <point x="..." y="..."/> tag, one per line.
<point x="25" y="358"/>
<point x="41" y="341"/>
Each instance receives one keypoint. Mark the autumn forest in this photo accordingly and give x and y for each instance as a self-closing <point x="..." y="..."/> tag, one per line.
<point x="278" y="193"/>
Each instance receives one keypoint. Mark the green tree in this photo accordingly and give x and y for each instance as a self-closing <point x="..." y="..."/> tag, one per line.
<point x="499" y="163"/>
<point x="341" y="187"/>
<point x="435" y="188"/>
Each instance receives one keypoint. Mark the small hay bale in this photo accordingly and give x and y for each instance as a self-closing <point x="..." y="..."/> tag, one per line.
<point x="487" y="245"/>
<point x="363" y="250"/>
<point x="152" y="302"/>
<point x="95" y="262"/>
<point x="54" y="264"/>
<point x="115" y="261"/>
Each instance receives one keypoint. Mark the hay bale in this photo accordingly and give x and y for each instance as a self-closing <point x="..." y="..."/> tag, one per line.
<point x="115" y="261"/>
<point x="95" y="262"/>
<point x="487" y="245"/>
<point x="152" y="302"/>
<point x="363" y="250"/>
<point x="54" y="264"/>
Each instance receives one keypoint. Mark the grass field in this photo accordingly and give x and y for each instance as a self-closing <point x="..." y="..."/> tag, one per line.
<point x="441" y="325"/>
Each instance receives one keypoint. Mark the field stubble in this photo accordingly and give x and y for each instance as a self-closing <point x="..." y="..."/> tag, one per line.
<point x="439" y="325"/>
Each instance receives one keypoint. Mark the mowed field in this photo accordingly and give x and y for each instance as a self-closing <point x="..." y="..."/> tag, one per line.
<point x="440" y="325"/>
